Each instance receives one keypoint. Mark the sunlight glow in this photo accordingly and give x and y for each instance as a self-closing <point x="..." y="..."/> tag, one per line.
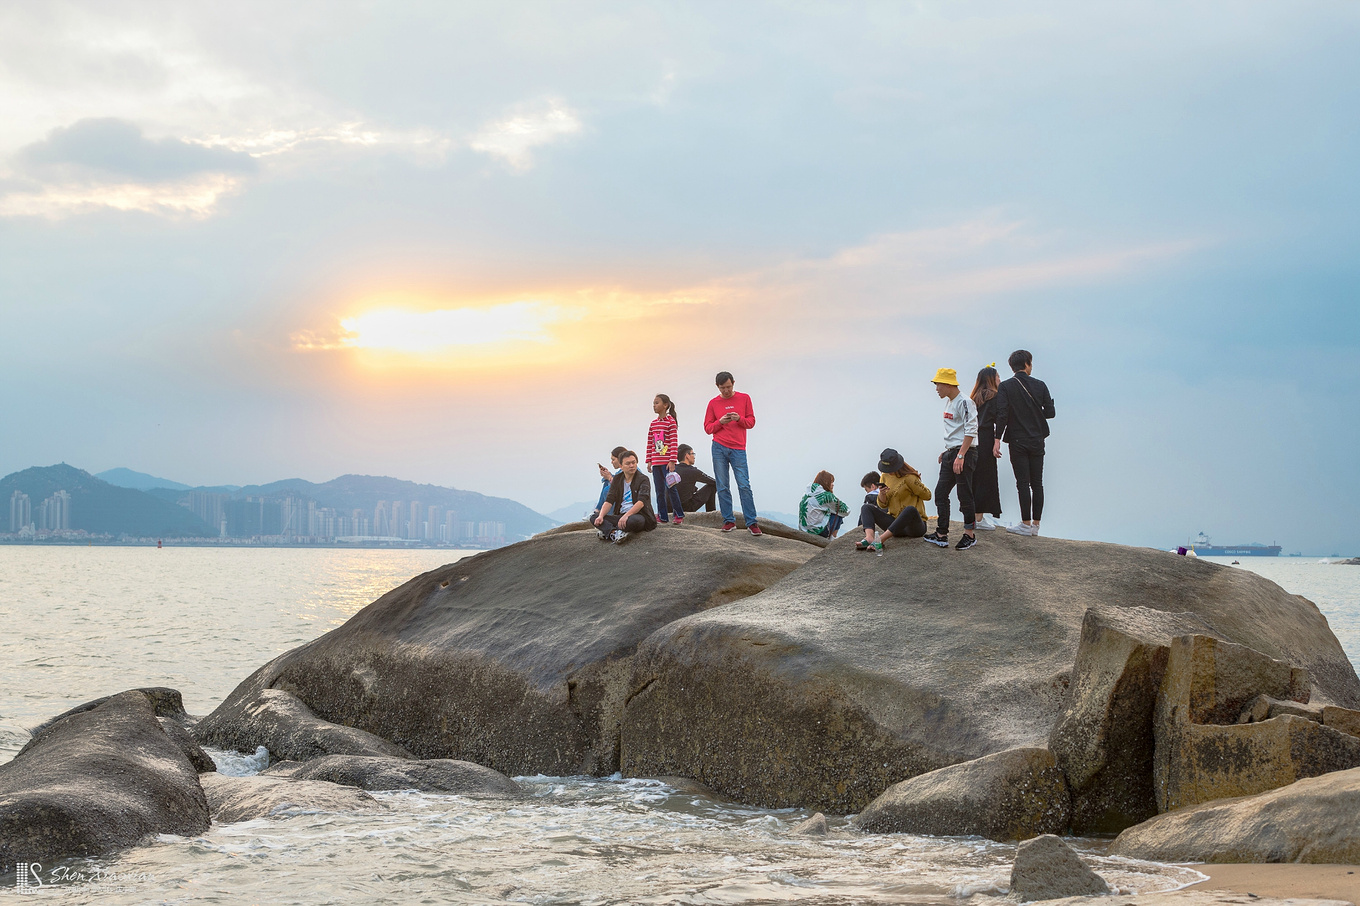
<point x="425" y="332"/>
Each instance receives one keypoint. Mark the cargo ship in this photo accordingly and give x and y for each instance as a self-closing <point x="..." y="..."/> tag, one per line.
<point x="1206" y="548"/>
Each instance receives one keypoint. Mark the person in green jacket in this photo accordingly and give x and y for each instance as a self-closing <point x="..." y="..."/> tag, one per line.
<point x="820" y="512"/>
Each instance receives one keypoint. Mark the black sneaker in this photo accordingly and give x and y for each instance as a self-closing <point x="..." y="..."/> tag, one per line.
<point x="966" y="542"/>
<point x="937" y="539"/>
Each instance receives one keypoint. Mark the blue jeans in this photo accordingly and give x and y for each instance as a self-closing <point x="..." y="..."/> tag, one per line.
<point x="604" y="492"/>
<point x="832" y="526"/>
<point x="665" y="495"/>
<point x="722" y="458"/>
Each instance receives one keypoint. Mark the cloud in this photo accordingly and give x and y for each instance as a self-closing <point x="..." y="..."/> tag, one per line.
<point x="110" y="163"/>
<point x="114" y="147"/>
<point x="512" y="138"/>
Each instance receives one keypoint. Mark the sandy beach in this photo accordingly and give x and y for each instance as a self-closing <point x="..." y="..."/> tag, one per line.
<point x="1334" y="882"/>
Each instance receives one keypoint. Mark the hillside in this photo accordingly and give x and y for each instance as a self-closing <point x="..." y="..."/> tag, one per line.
<point x="362" y="492"/>
<point x="101" y="508"/>
<point x="138" y="481"/>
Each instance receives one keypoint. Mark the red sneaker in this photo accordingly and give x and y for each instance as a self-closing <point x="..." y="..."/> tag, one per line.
<point x="677" y="521"/>
<point x="728" y="526"/>
<point x="755" y="530"/>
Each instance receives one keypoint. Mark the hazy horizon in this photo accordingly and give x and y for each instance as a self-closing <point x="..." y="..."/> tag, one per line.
<point x="465" y="245"/>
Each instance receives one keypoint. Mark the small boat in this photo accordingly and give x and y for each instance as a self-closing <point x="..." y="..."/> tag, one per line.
<point x="1237" y="563"/>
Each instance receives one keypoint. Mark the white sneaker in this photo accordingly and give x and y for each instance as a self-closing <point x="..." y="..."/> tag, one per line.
<point x="619" y="537"/>
<point x="601" y="534"/>
<point x="1020" y="529"/>
<point x="985" y="524"/>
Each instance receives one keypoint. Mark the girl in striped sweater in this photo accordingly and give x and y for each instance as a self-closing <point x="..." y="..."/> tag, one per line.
<point x="662" y="440"/>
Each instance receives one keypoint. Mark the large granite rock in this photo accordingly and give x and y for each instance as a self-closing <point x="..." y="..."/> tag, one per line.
<point x="1011" y="795"/>
<point x="98" y="779"/>
<point x="1312" y="820"/>
<point x="1046" y="868"/>
<point x="435" y="775"/>
<point x="233" y="799"/>
<point x="771" y="527"/>
<point x="1103" y="738"/>
<point x="1202" y="753"/>
<point x="519" y="658"/>
<point x="857" y="671"/>
<point x="286" y="727"/>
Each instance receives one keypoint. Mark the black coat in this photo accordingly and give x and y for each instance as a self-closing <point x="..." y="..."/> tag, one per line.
<point x="642" y="490"/>
<point x="1023" y="408"/>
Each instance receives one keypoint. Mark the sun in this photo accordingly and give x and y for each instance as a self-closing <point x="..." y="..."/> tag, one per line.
<point x="438" y="331"/>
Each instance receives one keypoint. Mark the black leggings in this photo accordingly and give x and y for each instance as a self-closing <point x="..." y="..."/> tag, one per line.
<point x="908" y="523"/>
<point x="1028" y="467"/>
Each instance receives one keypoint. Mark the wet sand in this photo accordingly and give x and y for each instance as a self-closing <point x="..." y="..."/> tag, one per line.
<point x="1333" y="882"/>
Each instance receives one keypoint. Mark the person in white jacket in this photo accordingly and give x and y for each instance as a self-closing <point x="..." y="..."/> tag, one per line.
<point x="957" y="462"/>
<point x="821" y="512"/>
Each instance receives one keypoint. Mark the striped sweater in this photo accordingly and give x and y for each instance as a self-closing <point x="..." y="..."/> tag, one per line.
<point x="661" y="441"/>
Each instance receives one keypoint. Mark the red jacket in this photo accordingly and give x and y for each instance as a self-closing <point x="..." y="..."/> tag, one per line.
<point x="733" y="434"/>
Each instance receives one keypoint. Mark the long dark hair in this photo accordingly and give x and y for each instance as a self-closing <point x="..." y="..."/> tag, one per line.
<point x="988" y="383"/>
<point x="669" y="405"/>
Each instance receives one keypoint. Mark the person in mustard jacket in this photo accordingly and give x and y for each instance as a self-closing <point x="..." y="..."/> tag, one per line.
<point x="901" y="504"/>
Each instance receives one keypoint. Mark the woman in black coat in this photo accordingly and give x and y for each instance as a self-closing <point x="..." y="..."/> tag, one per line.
<point x="986" y="487"/>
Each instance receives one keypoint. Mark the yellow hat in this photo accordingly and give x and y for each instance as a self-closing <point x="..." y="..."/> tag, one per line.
<point x="946" y="376"/>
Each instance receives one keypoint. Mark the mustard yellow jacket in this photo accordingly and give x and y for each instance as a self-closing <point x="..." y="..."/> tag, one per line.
<point x="901" y="493"/>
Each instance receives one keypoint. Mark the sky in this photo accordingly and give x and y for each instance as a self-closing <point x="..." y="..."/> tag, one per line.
<point x="467" y="243"/>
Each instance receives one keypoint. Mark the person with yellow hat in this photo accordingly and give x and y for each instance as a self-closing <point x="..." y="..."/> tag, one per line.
<point x="958" y="462"/>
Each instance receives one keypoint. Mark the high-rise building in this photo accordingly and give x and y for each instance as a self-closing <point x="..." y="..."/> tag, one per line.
<point x="20" y="511"/>
<point x="432" y="524"/>
<point x="380" y="520"/>
<point x="413" y="530"/>
<point x="54" y="514"/>
<point x="398" y="525"/>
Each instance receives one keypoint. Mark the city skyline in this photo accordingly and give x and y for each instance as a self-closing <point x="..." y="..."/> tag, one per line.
<point x="467" y="244"/>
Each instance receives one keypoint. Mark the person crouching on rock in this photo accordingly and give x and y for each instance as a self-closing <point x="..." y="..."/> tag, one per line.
<point x="628" y="506"/>
<point x="821" y="512"/>
<point x="900" y="506"/>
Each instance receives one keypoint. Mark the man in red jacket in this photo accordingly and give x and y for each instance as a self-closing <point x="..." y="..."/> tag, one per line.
<point x="728" y="417"/>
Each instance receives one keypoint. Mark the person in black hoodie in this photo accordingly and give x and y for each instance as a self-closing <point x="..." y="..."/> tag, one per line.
<point x="628" y="508"/>
<point x="697" y="488"/>
<point x="1023" y="408"/>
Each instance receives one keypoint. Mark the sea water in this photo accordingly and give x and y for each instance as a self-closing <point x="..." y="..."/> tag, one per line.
<point x="84" y="622"/>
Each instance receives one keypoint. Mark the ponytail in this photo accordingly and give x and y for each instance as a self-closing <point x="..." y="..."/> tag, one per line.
<point x="669" y="405"/>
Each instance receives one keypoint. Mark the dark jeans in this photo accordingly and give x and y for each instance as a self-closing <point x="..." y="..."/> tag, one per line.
<point x="832" y="526"/>
<point x="636" y="522"/>
<point x="665" y="495"/>
<point x="1028" y="467"/>
<point x="964" y="482"/>
<point x="908" y="523"/>
<point x="704" y="498"/>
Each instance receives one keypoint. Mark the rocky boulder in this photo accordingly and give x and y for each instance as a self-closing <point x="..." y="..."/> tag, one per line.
<point x="1011" y="795"/>
<point x="519" y="658"/>
<point x="286" y="727"/>
<point x="1202" y="753"/>
<point x="97" y="779"/>
<point x="1046" y="868"/>
<point x="435" y="775"/>
<point x="857" y="672"/>
<point x="771" y="527"/>
<point x="1346" y="720"/>
<point x="1103" y="739"/>
<point x="233" y="799"/>
<point x="1312" y="820"/>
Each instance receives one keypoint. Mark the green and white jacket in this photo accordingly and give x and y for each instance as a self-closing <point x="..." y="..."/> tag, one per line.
<point x="817" y="507"/>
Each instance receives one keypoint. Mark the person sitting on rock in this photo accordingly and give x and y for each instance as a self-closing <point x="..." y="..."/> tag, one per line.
<point x="628" y="507"/>
<point x="871" y="483"/>
<point x="607" y="475"/>
<point x="821" y="512"/>
<point x="698" y="490"/>
<point x="900" y="505"/>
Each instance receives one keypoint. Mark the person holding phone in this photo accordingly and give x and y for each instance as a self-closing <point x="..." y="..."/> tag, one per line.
<point x="728" y="417"/>
<point x="607" y="475"/>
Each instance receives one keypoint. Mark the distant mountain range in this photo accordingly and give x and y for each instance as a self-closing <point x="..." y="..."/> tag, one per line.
<point x="125" y="502"/>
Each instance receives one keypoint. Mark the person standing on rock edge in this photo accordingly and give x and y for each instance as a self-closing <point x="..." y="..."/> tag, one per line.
<point x="662" y="442"/>
<point x="728" y="417"/>
<point x="628" y="508"/>
<point x="958" y="462"/>
<point x="1023" y="408"/>
<point x="986" y="485"/>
